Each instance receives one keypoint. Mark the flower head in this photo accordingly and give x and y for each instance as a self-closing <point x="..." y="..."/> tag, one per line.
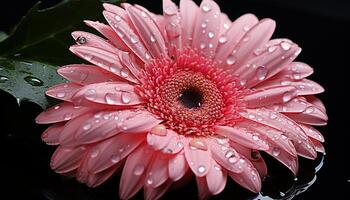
<point x="185" y="92"/>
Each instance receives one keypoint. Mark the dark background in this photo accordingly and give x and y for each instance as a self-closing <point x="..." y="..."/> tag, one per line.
<point x="319" y="27"/>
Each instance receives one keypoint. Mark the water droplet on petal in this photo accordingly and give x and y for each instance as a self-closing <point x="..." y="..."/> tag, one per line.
<point x="81" y="40"/>
<point x="286" y="46"/>
<point x="120" y="33"/>
<point x="309" y="110"/>
<point x="126" y="97"/>
<point x="94" y="153"/>
<point x="204" y="25"/>
<point x="87" y="126"/>
<point x="138" y="170"/>
<point x="255" y="154"/>
<point x="231" y="59"/>
<point x="111" y="98"/>
<point x="206" y="7"/>
<point x="246" y="28"/>
<point x="149" y="181"/>
<point x="124" y="72"/>
<point x="256" y="137"/>
<point x="117" y="18"/>
<point x="3" y="79"/>
<point x="152" y="38"/>
<point x="61" y="94"/>
<point x="272" y="49"/>
<point x="201" y="168"/>
<point x="170" y="10"/>
<point x="283" y="136"/>
<point x="197" y="143"/>
<point x="56" y="107"/>
<point x="115" y="158"/>
<point x="261" y="73"/>
<point x="134" y="39"/>
<point x="173" y="30"/>
<point x="159" y="130"/>
<point x="211" y="34"/>
<point x="229" y="154"/>
<point x="276" y="151"/>
<point x="90" y="94"/>
<point x="202" y="45"/>
<point x="223" y="39"/>
<point x="287" y="96"/>
<point x="68" y="116"/>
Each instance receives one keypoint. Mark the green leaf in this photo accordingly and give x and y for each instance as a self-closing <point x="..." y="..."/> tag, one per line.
<point x="3" y="36"/>
<point x="44" y="35"/>
<point x="28" y="80"/>
<point x="29" y="56"/>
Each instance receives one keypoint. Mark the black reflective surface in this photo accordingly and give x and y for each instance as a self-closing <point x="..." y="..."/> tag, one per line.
<point x="319" y="27"/>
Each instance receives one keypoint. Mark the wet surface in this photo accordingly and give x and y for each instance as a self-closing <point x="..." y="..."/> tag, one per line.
<point x="325" y="45"/>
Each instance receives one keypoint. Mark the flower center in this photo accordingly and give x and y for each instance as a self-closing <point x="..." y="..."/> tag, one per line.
<point x="191" y="94"/>
<point x="191" y="98"/>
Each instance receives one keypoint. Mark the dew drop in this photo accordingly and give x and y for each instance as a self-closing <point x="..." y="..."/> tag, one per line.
<point x="229" y="154"/>
<point x="152" y="38"/>
<point x="231" y="59"/>
<point x="173" y="30"/>
<point x="211" y="34"/>
<point x="117" y="18"/>
<point x="126" y="97"/>
<point x="226" y="25"/>
<point x="287" y="96"/>
<point x="233" y="159"/>
<point x="170" y="10"/>
<point x="115" y="158"/>
<point x="246" y="28"/>
<point x="261" y="73"/>
<point x="309" y="110"/>
<point x="33" y="81"/>
<point x="204" y="25"/>
<point x="90" y="94"/>
<point x="124" y="72"/>
<point x="3" y="79"/>
<point x="61" y="94"/>
<point x="111" y="98"/>
<point x="255" y="154"/>
<point x="68" y="116"/>
<point x="286" y="46"/>
<point x="134" y="39"/>
<point x="138" y="170"/>
<point x="149" y="181"/>
<point x="202" y="45"/>
<point x="87" y="126"/>
<point x="283" y="136"/>
<point x="120" y="33"/>
<point x="201" y="168"/>
<point x="94" y="153"/>
<point x="223" y="39"/>
<point x="272" y="49"/>
<point x="206" y="7"/>
<point x="276" y="151"/>
<point x="255" y="137"/>
<point x="56" y="107"/>
<point x="81" y="40"/>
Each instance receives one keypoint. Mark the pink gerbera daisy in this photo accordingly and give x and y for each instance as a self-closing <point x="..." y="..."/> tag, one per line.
<point x="186" y="92"/>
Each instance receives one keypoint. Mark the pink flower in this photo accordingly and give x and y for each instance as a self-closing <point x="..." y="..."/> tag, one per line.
<point x="185" y="92"/>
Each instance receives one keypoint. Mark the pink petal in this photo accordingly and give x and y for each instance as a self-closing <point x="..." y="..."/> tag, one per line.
<point x="63" y="91"/>
<point x="82" y="172"/>
<point x="108" y="93"/>
<point x="129" y="61"/>
<point x="111" y="151"/>
<point x="62" y="112"/>
<point x="249" y="177"/>
<point x="67" y="134"/>
<point x="92" y="40"/>
<point x="67" y="159"/>
<point x="295" y="105"/>
<point x="133" y="174"/>
<point x="188" y="12"/>
<point x="312" y="132"/>
<point x="157" y="172"/>
<point x="86" y="74"/>
<point x="197" y="159"/>
<point x="216" y="178"/>
<point x="127" y="35"/>
<point x="105" y="60"/>
<point x="51" y="135"/>
<point x="266" y="64"/>
<point x="116" y="10"/>
<point x="265" y="97"/>
<point x="255" y="38"/>
<point x="297" y="71"/>
<point x="95" y="180"/>
<point x="206" y="39"/>
<point x="108" y="123"/>
<point x="177" y="166"/>
<point x="242" y="136"/>
<point x="202" y="186"/>
<point x="271" y="135"/>
<point x="109" y="33"/>
<point x="230" y="39"/>
<point x="281" y="122"/>
<point x="225" y="155"/>
<point x="317" y="102"/>
<point x="312" y="116"/>
<point x="291" y="162"/>
<point x="151" y="193"/>
<point x="172" y="26"/>
<point x="253" y="156"/>
<point x="171" y="143"/>
<point x="318" y="146"/>
<point x="148" y="31"/>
